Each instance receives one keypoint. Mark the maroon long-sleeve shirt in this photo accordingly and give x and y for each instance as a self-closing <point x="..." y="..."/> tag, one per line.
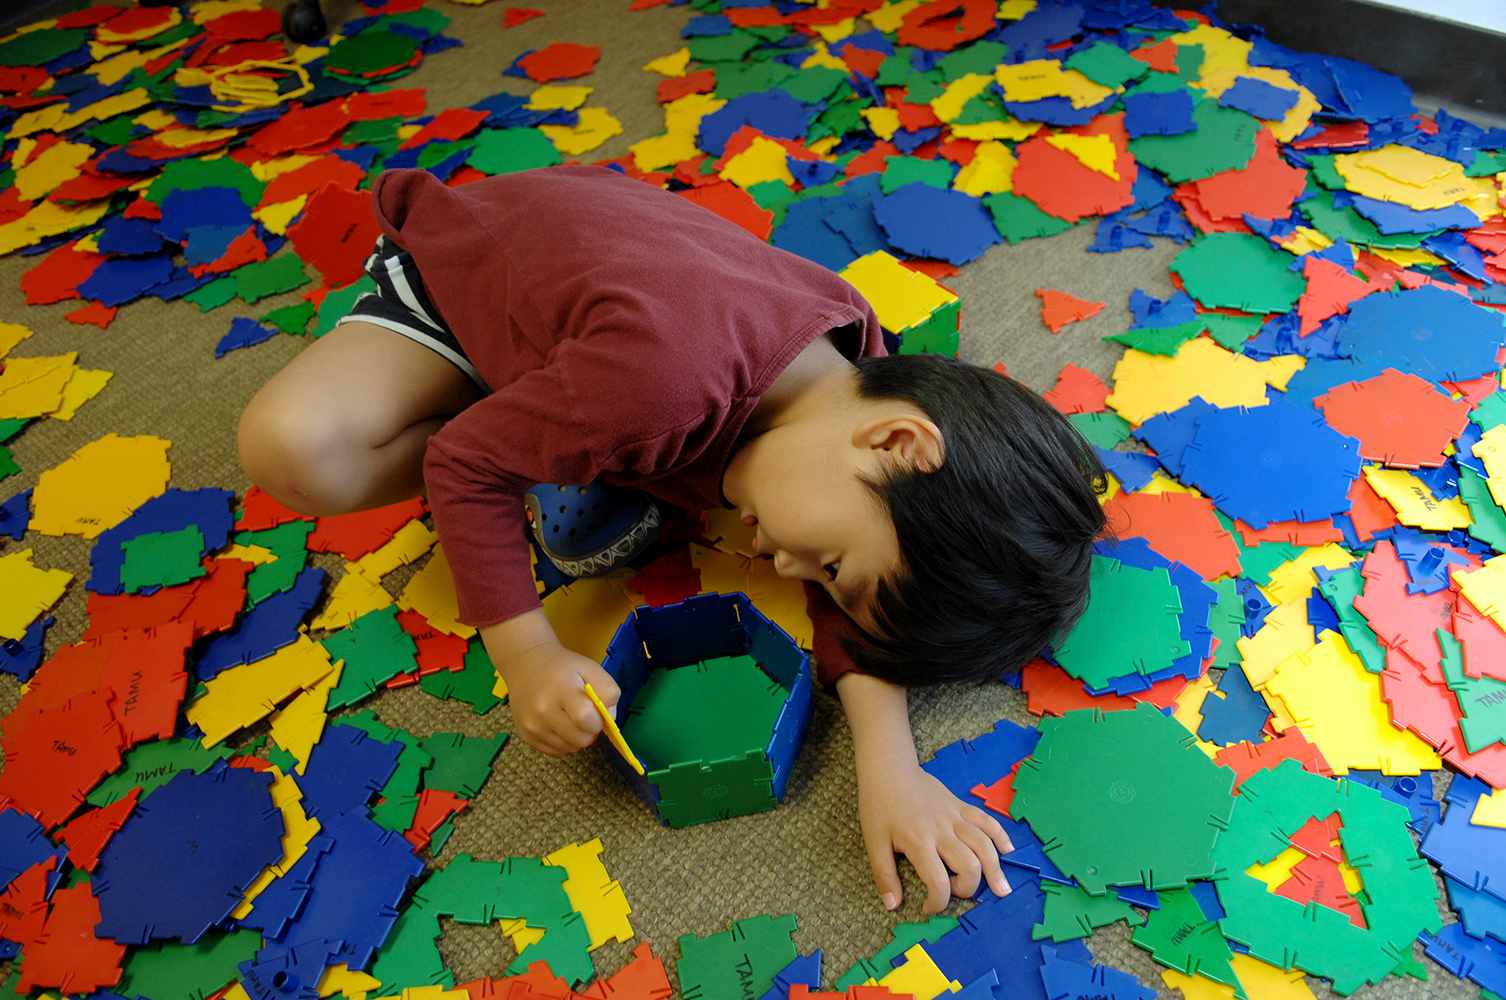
<point x="627" y="335"/>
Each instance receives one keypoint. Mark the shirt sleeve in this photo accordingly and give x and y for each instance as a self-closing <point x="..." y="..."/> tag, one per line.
<point x="831" y="626"/>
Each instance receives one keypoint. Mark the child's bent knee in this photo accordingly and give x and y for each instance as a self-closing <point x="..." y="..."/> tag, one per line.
<point x="293" y="453"/>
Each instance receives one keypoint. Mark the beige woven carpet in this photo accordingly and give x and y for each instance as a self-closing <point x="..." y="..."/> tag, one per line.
<point x="806" y="857"/>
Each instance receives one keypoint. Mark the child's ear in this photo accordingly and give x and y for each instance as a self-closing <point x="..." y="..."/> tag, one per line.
<point x="913" y="439"/>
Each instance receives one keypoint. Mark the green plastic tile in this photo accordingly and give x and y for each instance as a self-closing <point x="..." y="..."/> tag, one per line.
<point x="289" y="543"/>
<point x="256" y="281"/>
<point x="1107" y="65"/>
<point x="473" y="685"/>
<point x="1105" y="429"/>
<point x="740" y="962"/>
<point x="1489" y="520"/>
<point x="375" y="649"/>
<point x="462" y="764"/>
<point x="509" y="150"/>
<point x="1019" y="219"/>
<point x="292" y="320"/>
<point x="187" y="971"/>
<point x="906" y="936"/>
<point x="1224" y="139"/>
<point x="1239" y="271"/>
<point x="1481" y="699"/>
<point x="703" y="712"/>
<point x="1131" y="625"/>
<point x="1070" y="913"/>
<point x="1180" y="937"/>
<point x="902" y="170"/>
<point x="152" y="765"/>
<point x="162" y="558"/>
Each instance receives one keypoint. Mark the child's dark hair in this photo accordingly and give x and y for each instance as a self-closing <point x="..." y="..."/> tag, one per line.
<point x="996" y="544"/>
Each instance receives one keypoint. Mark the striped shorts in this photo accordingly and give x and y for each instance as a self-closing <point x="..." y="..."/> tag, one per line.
<point x="401" y="305"/>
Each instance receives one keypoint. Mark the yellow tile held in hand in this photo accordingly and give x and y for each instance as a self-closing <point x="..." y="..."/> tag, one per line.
<point x="595" y="127"/>
<point x="33" y="387"/>
<point x="1096" y="152"/>
<point x="674" y="64"/>
<point x="82" y="387"/>
<point x="409" y="544"/>
<point x="241" y="696"/>
<point x="100" y="486"/>
<point x="298" y="727"/>
<point x="1338" y="706"/>
<point x="298" y="829"/>
<point x="763" y="160"/>
<point x="431" y="592"/>
<point x="1414" y="503"/>
<point x="1147" y="384"/>
<point x="1294" y="579"/>
<point x="593" y="893"/>
<point x="26" y="591"/>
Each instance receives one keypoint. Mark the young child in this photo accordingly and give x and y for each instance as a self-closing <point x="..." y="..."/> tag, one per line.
<point x="570" y="324"/>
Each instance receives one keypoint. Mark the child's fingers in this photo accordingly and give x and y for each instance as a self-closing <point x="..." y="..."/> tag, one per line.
<point x="937" y="880"/>
<point x="985" y="851"/>
<point x="961" y="857"/>
<point x="885" y="875"/>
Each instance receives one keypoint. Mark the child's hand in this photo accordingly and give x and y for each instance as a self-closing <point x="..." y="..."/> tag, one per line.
<point x="907" y="811"/>
<point x="546" y="686"/>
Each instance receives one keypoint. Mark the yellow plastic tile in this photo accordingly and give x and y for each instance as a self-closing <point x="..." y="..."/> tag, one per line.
<point x="409" y="544"/>
<point x="549" y="97"/>
<point x="1411" y="177"/>
<point x="59" y="162"/>
<point x="100" y="486"/>
<point x="1009" y="131"/>
<point x="1187" y="709"/>
<point x="1013" y="10"/>
<point x="1041" y="78"/>
<point x="1491" y="449"/>
<point x="82" y="387"/>
<point x="890" y="15"/>
<point x="682" y="125"/>
<point x="674" y="64"/>
<point x="1409" y="256"/>
<point x="132" y="99"/>
<point x="901" y="298"/>
<point x="243" y="695"/>
<point x="1268" y="982"/>
<point x="1278" y="870"/>
<point x="958" y="93"/>
<point x="258" y="555"/>
<point x="1338" y="706"/>
<point x="42" y="120"/>
<point x="1096" y="152"/>
<point x="11" y="334"/>
<point x="26" y="591"/>
<point x="1284" y="633"/>
<point x="781" y="601"/>
<point x="882" y="122"/>
<point x="1414" y="503"/>
<point x="600" y="901"/>
<point x="1294" y="579"/>
<point x="299" y="726"/>
<point x="280" y="216"/>
<point x="519" y="933"/>
<point x="1161" y="483"/>
<point x="351" y="985"/>
<point x="298" y="829"/>
<point x="1491" y="810"/>
<point x="1196" y="987"/>
<point x="46" y="218"/>
<point x="991" y="170"/>
<point x="33" y="387"/>
<point x="822" y="57"/>
<point x="610" y="730"/>
<point x="919" y="977"/>
<point x="1222" y="52"/>
<point x="1304" y="239"/>
<point x="595" y="127"/>
<point x="763" y="160"/>
<point x="1485" y="587"/>
<point x="431" y="592"/>
<point x="585" y="614"/>
<point x="182" y="138"/>
<point x="1147" y="384"/>
<point x="431" y="993"/>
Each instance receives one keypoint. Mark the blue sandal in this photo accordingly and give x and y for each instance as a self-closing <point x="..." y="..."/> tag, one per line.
<point x="591" y="530"/>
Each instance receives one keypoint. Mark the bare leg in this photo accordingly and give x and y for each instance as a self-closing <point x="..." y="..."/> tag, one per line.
<point x="344" y="426"/>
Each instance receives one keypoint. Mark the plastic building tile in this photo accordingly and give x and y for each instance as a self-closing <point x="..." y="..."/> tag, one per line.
<point x="1399" y="618"/>
<point x="296" y="972"/>
<point x="67" y="955"/>
<point x="70" y="498"/>
<point x="1058" y="308"/>
<point x="1393" y="329"/>
<point x="271" y="625"/>
<point x="25" y="845"/>
<point x="1147" y="384"/>
<point x="752" y="952"/>
<point x="358" y="593"/>
<point x="906" y="936"/>
<point x="356" y="535"/>
<point x="298" y="726"/>
<point x="1071" y="913"/>
<point x="178" y="864"/>
<point x="1479" y="912"/>
<point x="462" y="764"/>
<point x="1141" y="761"/>
<point x="146" y="677"/>
<point x="375" y="649"/>
<point x="1481" y="700"/>
<point x="1180" y="526"/>
<point x="1480" y="960"/>
<point x="1235" y="714"/>
<point x="1484" y="642"/>
<point x="345" y="769"/>
<point x="1400" y="419"/>
<point x="183" y="972"/>
<point x="288" y="542"/>
<point x="240" y="696"/>
<point x="1077" y="390"/>
<point x="298" y="832"/>
<point x="244" y="332"/>
<point x="1331" y="290"/>
<point x="1130" y="625"/>
<point x="1319" y="940"/>
<point x="1466" y="852"/>
<point x="23" y="905"/>
<point x="926" y="222"/>
<point x="1065" y="979"/>
<point x="431" y="592"/>
<point x="29" y="591"/>
<point x="47" y="776"/>
<point x="208" y="510"/>
<point x="475" y="684"/>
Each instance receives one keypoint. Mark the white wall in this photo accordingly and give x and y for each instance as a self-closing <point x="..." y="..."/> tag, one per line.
<point x="1489" y="14"/>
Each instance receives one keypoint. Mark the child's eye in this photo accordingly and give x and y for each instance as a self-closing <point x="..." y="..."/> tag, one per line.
<point x="831" y="570"/>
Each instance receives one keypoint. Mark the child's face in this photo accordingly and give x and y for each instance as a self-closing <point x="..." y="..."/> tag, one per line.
<point x="821" y="523"/>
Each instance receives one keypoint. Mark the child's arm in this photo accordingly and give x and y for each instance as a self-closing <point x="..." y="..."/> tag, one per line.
<point x="546" y="684"/>
<point x="904" y="810"/>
